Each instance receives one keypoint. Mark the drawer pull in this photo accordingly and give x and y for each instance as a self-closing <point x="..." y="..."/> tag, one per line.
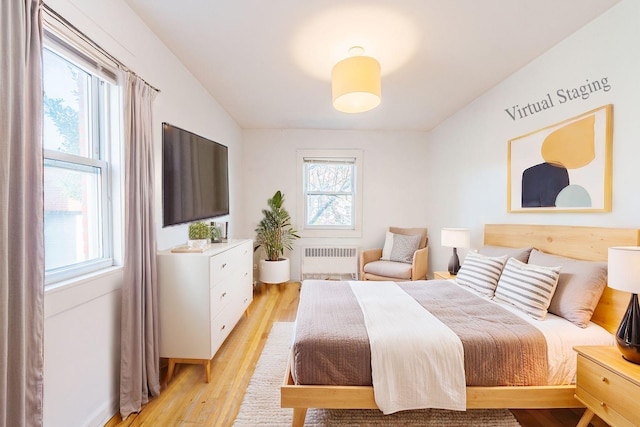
<point x="224" y="294"/>
<point x="603" y="404"/>
<point x="603" y="379"/>
<point x="223" y="326"/>
<point x="223" y="266"/>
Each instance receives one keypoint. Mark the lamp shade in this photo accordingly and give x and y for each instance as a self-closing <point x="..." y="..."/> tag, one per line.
<point x="355" y="84"/>
<point x="455" y="237"/>
<point x="624" y="268"/>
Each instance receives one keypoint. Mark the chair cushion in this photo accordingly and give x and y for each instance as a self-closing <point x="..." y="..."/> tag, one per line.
<point x="400" y="248"/>
<point x="389" y="269"/>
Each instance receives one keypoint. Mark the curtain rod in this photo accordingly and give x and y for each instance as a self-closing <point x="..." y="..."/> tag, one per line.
<point x="95" y="45"/>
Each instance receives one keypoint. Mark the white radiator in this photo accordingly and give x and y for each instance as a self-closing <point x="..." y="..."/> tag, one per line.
<point x="330" y="263"/>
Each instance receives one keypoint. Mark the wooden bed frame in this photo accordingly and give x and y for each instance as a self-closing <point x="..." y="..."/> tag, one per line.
<point x="585" y="243"/>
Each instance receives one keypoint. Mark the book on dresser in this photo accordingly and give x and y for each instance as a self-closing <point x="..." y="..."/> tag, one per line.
<point x="201" y="297"/>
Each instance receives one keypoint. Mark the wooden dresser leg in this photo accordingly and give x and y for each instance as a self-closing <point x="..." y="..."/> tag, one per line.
<point x="170" y="369"/>
<point x="586" y="418"/>
<point x="207" y="370"/>
<point x="299" y="414"/>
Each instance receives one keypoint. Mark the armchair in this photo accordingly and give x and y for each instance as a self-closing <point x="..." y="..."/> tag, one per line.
<point x="372" y="267"/>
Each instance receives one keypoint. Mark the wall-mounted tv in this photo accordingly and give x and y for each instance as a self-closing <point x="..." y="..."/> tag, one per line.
<point x="195" y="177"/>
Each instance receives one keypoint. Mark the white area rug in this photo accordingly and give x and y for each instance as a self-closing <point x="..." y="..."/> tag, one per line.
<point x="261" y="403"/>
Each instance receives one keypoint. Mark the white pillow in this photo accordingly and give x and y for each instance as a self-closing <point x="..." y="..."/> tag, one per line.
<point x="481" y="273"/>
<point x="399" y="247"/>
<point x="388" y="245"/>
<point x="527" y="287"/>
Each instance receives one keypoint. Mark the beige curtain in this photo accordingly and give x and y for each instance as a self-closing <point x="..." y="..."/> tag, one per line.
<point x="21" y="220"/>
<point x="139" y="371"/>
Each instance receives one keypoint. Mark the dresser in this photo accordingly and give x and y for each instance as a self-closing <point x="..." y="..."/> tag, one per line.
<point x="608" y="386"/>
<point x="201" y="297"/>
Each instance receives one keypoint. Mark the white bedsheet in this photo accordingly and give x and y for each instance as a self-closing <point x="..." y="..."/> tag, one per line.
<point x="411" y="368"/>
<point x="561" y="336"/>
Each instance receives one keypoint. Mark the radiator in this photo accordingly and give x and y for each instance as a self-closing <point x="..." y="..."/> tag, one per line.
<point x="330" y="263"/>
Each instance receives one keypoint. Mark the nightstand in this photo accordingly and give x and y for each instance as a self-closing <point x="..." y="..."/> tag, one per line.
<point x="443" y="275"/>
<point x="608" y="385"/>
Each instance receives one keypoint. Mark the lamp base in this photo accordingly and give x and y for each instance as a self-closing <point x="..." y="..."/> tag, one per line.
<point x="454" y="263"/>
<point x="628" y="335"/>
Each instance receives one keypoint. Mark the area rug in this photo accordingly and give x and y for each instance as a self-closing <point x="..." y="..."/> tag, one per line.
<point x="261" y="403"/>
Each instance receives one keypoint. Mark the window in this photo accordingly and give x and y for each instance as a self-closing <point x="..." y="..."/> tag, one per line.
<point x="331" y="196"/>
<point x="78" y="124"/>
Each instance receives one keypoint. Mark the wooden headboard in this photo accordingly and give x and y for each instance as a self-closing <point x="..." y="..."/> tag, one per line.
<point x="585" y="243"/>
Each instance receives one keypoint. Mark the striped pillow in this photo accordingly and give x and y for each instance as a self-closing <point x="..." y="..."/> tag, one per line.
<point x="481" y="273"/>
<point x="528" y="287"/>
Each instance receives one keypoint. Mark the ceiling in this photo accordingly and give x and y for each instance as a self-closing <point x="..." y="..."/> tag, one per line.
<point x="268" y="63"/>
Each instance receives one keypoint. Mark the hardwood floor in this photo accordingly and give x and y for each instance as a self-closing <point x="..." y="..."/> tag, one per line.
<point x="189" y="401"/>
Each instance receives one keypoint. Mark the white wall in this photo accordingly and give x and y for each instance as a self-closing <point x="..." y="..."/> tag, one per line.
<point x="393" y="178"/>
<point x="82" y="320"/>
<point x="470" y="149"/>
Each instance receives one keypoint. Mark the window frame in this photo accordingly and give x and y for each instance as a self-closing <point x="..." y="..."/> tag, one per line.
<point x="105" y="110"/>
<point x="339" y="155"/>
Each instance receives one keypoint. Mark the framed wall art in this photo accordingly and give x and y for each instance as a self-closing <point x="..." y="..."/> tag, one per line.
<point x="565" y="167"/>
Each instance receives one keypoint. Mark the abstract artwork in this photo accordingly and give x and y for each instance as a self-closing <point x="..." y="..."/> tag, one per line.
<point x="565" y="167"/>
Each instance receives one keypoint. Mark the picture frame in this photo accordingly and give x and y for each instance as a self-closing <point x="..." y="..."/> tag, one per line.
<point x="564" y="167"/>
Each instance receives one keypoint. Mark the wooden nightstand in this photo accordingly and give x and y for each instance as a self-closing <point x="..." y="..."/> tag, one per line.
<point x="443" y="275"/>
<point x="608" y="385"/>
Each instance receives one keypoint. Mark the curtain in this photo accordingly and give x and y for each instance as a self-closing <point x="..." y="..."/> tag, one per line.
<point x="139" y="360"/>
<point x="21" y="220"/>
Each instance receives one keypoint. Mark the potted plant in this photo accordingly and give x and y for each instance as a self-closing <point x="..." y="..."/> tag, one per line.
<point x="199" y="234"/>
<point x="275" y="234"/>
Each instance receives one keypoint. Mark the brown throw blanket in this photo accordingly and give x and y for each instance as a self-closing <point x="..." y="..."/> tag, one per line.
<point x="332" y="347"/>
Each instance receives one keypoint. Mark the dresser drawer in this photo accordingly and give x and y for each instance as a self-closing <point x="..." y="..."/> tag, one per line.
<point x="221" y="266"/>
<point x="601" y="409"/>
<point x="220" y="297"/>
<point x="608" y="393"/>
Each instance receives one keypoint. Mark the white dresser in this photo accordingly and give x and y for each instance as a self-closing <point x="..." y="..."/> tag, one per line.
<point x="201" y="298"/>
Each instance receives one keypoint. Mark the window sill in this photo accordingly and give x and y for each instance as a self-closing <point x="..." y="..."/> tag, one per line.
<point x="330" y="233"/>
<point x="65" y="295"/>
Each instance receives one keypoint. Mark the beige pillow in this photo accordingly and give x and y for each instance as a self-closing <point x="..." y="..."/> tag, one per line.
<point x="521" y="254"/>
<point x="580" y="286"/>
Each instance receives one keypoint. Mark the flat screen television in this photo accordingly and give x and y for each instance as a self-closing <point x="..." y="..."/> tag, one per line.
<point x="195" y="177"/>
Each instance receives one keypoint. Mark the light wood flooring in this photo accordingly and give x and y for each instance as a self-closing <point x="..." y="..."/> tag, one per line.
<point x="188" y="401"/>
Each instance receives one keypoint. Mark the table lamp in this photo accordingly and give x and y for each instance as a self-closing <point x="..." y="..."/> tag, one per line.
<point x="624" y="275"/>
<point x="455" y="238"/>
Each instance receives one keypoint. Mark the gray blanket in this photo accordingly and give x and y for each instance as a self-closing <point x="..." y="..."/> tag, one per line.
<point x="331" y="345"/>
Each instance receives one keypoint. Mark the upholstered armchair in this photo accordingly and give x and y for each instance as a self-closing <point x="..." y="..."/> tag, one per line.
<point x="402" y="258"/>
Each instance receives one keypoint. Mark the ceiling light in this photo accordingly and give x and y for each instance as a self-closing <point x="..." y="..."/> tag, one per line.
<point x="355" y="83"/>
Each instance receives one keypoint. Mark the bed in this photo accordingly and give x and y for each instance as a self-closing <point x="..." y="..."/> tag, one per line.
<point x="583" y="243"/>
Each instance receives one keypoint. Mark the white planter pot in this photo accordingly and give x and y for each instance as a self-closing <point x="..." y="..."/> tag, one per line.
<point x="274" y="271"/>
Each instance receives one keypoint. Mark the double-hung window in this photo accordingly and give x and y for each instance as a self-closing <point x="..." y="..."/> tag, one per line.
<point x="331" y="192"/>
<point x="80" y="98"/>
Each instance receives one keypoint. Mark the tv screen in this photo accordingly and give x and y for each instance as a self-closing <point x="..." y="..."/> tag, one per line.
<point x="195" y="177"/>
